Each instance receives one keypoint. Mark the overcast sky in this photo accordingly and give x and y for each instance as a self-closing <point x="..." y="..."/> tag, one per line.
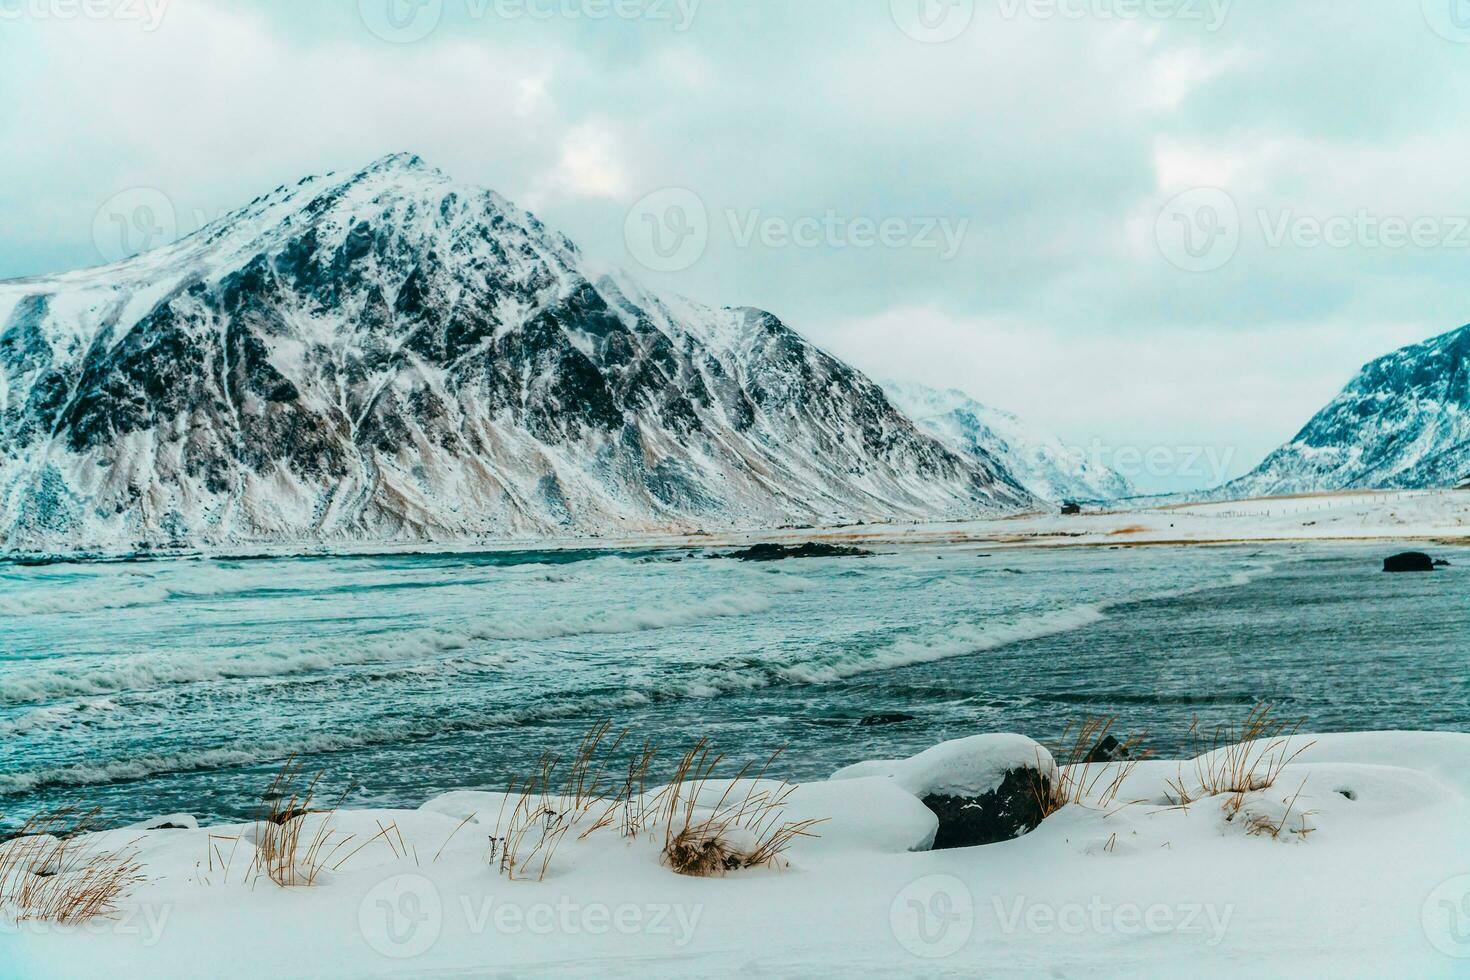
<point x="1146" y="224"/>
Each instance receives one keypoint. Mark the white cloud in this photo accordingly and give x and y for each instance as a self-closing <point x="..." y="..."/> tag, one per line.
<point x="1057" y="139"/>
<point x="591" y="162"/>
<point x="1241" y="394"/>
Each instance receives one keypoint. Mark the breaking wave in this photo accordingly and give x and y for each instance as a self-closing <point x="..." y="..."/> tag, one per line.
<point x="143" y="673"/>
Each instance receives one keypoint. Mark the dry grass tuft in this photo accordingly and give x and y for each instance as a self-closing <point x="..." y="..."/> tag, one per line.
<point x="48" y="875"/>
<point x="566" y="795"/>
<point x="558" y="796"/>
<point x="283" y="854"/>
<point x="1237" y="759"/>
<point x="1084" y="777"/>
<point x="733" y="834"/>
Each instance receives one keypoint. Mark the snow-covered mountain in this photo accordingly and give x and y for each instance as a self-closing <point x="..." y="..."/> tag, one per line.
<point x="391" y="356"/>
<point x="1402" y="423"/>
<point x="1038" y="460"/>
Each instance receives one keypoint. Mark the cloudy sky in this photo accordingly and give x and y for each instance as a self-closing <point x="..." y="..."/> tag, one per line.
<point x="1174" y="226"/>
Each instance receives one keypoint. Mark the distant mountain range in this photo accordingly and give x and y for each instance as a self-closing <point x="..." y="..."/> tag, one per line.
<point x="1038" y="460"/>
<point x="389" y="356"/>
<point x="1402" y="423"/>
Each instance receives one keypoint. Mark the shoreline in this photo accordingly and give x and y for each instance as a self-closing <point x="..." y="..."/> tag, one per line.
<point x="1429" y="516"/>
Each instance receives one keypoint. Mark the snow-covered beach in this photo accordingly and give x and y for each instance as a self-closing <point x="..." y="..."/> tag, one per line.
<point x="1354" y="861"/>
<point x="1354" y="858"/>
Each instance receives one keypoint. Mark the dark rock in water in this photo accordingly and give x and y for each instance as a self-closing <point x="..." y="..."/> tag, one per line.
<point x="1011" y="810"/>
<point x="892" y="718"/>
<point x="1108" y="750"/>
<point x="1411" y="561"/>
<point x="1441" y="563"/>
<point x="782" y="552"/>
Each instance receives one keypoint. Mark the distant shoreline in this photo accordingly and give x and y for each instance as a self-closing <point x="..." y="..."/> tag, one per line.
<point x="1432" y="516"/>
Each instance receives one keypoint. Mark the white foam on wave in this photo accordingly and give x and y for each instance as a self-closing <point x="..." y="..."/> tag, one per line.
<point x="80" y="598"/>
<point x="245" y="753"/>
<point x="837" y="664"/>
<point x="91" y="677"/>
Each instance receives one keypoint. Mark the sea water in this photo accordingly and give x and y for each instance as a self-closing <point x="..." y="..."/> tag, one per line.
<point x="150" y="687"/>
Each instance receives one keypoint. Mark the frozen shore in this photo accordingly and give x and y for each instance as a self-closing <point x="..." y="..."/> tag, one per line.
<point x="1400" y="515"/>
<point x="1354" y="861"/>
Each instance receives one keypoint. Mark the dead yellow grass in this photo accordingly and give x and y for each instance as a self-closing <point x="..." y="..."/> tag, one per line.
<point x="283" y="853"/>
<point x="737" y="832"/>
<point x="1237" y="758"/>
<point x="47" y="874"/>
<point x="1082" y="781"/>
<point x="740" y="830"/>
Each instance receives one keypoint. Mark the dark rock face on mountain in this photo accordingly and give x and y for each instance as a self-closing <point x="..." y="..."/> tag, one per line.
<point x="391" y="356"/>
<point x="1403" y="423"/>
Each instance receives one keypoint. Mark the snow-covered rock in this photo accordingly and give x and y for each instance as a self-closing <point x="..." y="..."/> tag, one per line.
<point x="1402" y="423"/>
<point x="1376" y="887"/>
<point x="390" y="356"/>
<point x="1039" y="460"/>
<point x="170" y="821"/>
<point x="983" y="789"/>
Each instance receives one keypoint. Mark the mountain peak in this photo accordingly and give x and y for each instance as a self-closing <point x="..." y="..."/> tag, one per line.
<point x="397" y="162"/>
<point x="1038" y="460"/>
<point x="391" y="355"/>
<point x="1402" y="423"/>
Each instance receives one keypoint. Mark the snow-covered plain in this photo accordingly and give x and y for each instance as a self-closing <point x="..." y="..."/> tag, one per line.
<point x="1350" y="515"/>
<point x="1383" y="515"/>
<point x="1370" y="876"/>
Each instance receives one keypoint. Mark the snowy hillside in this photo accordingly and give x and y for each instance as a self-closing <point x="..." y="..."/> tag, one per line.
<point x="1038" y="460"/>
<point x="1402" y="423"/>
<point x="391" y="356"/>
